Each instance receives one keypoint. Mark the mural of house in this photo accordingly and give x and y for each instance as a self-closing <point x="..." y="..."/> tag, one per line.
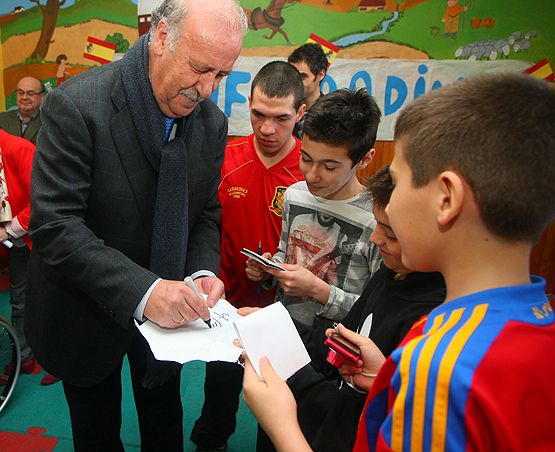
<point x="371" y="5"/>
<point x="144" y="14"/>
<point x="144" y="23"/>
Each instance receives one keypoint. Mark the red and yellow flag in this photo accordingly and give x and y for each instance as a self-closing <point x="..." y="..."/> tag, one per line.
<point x="329" y="49"/>
<point x="100" y="51"/>
<point x="541" y="70"/>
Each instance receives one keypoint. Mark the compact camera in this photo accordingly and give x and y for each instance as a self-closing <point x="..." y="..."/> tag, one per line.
<point x="341" y="350"/>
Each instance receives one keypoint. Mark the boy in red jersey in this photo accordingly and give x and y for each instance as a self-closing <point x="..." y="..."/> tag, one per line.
<point x="470" y="201"/>
<point x="255" y="173"/>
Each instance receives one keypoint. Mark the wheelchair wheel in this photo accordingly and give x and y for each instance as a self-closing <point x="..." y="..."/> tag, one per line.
<point x="10" y="361"/>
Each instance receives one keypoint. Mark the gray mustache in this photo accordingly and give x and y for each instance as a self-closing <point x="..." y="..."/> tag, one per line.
<point x="191" y="94"/>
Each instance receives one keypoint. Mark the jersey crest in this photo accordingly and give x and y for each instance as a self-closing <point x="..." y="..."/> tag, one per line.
<point x="277" y="201"/>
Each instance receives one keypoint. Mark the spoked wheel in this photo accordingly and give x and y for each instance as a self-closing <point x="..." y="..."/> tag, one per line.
<point x="10" y="362"/>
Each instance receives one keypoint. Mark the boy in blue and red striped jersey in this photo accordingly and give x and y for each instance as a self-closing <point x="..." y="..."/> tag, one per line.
<point x="469" y="201"/>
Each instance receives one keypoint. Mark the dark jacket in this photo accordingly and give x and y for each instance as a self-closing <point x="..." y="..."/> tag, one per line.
<point x="328" y="408"/>
<point x="9" y="121"/>
<point x="92" y="202"/>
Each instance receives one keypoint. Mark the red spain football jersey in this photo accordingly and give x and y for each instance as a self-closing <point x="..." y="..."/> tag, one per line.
<point x="251" y="196"/>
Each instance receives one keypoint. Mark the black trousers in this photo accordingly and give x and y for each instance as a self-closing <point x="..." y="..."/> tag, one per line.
<point x="96" y="411"/>
<point x="217" y="421"/>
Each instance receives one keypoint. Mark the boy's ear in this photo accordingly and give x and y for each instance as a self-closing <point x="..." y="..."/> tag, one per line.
<point x="450" y="197"/>
<point x="300" y="112"/>
<point x="320" y="76"/>
<point x="249" y="98"/>
<point x="366" y="159"/>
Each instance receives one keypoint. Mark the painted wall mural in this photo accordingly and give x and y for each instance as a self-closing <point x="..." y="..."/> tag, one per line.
<point x="397" y="49"/>
<point x="48" y="38"/>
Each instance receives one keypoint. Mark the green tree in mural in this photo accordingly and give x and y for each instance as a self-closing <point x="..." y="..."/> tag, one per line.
<point x="49" y="18"/>
<point x="122" y="44"/>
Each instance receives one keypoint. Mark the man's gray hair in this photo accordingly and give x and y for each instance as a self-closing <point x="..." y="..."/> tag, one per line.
<point x="173" y="12"/>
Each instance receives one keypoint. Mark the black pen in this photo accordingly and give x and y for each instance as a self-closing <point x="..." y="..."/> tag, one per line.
<point x="189" y="281"/>
<point x="260" y="254"/>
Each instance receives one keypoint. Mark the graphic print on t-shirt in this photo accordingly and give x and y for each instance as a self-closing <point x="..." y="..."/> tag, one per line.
<point x="321" y="243"/>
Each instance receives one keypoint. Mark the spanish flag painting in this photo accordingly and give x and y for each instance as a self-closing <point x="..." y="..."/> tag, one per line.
<point x="100" y="51"/>
<point x="329" y="49"/>
<point x="541" y="70"/>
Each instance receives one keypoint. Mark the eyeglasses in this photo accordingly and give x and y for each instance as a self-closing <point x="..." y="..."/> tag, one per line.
<point x="31" y="93"/>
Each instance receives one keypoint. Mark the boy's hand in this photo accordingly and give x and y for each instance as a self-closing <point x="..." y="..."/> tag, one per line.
<point x="371" y="359"/>
<point x="247" y="310"/>
<point x="297" y="281"/>
<point x="257" y="272"/>
<point x="274" y="406"/>
<point x="3" y="233"/>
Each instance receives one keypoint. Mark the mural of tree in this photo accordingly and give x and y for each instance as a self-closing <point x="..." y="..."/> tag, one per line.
<point x="122" y="44"/>
<point x="49" y="18"/>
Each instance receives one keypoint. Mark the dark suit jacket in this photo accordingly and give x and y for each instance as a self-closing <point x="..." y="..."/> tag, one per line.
<point x="93" y="194"/>
<point x="11" y="124"/>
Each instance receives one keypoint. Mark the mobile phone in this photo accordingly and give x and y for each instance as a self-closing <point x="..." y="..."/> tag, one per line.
<point x="341" y="350"/>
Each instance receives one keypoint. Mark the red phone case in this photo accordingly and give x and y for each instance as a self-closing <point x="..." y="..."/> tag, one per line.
<point x="341" y="350"/>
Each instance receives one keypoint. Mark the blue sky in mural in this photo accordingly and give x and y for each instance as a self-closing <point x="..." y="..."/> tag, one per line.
<point x="7" y="6"/>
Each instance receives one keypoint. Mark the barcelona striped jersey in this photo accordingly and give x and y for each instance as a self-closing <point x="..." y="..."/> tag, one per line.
<point x="477" y="374"/>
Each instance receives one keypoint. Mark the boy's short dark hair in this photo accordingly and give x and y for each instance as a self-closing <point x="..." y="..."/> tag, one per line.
<point x="344" y="118"/>
<point x="498" y="132"/>
<point x="313" y="55"/>
<point x="380" y="187"/>
<point x="279" y="79"/>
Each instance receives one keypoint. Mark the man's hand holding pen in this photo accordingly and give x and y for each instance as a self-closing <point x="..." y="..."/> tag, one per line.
<point x="173" y="304"/>
<point x="191" y="284"/>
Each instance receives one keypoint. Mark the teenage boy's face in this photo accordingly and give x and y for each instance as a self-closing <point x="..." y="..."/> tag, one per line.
<point x="386" y="240"/>
<point x="328" y="170"/>
<point x="311" y="82"/>
<point x="273" y="120"/>
<point x="410" y="214"/>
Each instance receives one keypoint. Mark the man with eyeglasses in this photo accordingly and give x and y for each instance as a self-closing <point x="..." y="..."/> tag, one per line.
<point x="25" y="121"/>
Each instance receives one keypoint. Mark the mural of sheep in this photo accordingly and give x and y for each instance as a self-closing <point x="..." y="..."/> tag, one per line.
<point x="492" y="49"/>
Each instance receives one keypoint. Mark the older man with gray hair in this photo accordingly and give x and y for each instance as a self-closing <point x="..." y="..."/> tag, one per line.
<point x="124" y="206"/>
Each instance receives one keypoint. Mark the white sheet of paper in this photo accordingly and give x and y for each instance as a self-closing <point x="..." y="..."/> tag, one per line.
<point x="270" y="332"/>
<point x="195" y="341"/>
